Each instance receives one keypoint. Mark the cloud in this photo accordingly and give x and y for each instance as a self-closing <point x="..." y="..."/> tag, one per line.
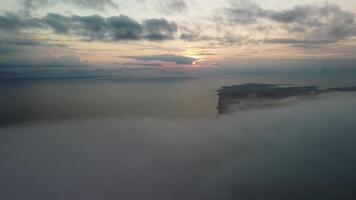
<point x="21" y="42"/>
<point x="252" y="155"/>
<point x="9" y="45"/>
<point x="240" y="24"/>
<point x="180" y="60"/>
<point x="59" y="23"/>
<point x="94" y="27"/>
<point x="94" y="4"/>
<point x="244" y="12"/>
<point x="13" y="45"/>
<point x="172" y="6"/>
<point x="5" y="49"/>
<point x="293" y="41"/>
<point x="159" y="29"/>
<point x="317" y="23"/>
<point x="297" y="14"/>
<point x="124" y="28"/>
<point x="30" y="5"/>
<point x="34" y="4"/>
<point x="12" y="22"/>
<point x="66" y="60"/>
<point x="26" y="64"/>
<point x="328" y="22"/>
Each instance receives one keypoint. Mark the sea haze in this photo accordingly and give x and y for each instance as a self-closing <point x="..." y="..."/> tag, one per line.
<point x="301" y="151"/>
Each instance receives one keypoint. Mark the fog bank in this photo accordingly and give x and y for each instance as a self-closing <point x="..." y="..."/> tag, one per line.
<point x="301" y="151"/>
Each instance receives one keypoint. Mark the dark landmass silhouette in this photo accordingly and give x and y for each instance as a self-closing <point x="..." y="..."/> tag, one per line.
<point x="256" y="95"/>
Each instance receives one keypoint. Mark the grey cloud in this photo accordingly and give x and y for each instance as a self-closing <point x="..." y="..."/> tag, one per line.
<point x="20" y="42"/>
<point x="172" y="6"/>
<point x="297" y="14"/>
<point x="190" y="36"/>
<point x="180" y="60"/>
<point x="194" y="33"/>
<point x="314" y="22"/>
<point x="94" y="4"/>
<point x="12" y="22"/>
<point x="34" y="4"/>
<point x="195" y="37"/>
<point x="328" y="22"/>
<point x="227" y="39"/>
<point x="312" y="15"/>
<point x="50" y="66"/>
<point x="67" y="60"/>
<point x="244" y="12"/>
<point x="124" y="28"/>
<point x="11" y="45"/>
<point x="59" y="23"/>
<point x="5" y="49"/>
<point x="159" y="29"/>
<point x="143" y="64"/>
<point x="197" y="33"/>
<point x="94" y="27"/>
<point x="86" y="4"/>
<point x="295" y="41"/>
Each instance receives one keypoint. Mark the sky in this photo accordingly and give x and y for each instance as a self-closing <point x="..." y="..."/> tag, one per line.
<point x="174" y="33"/>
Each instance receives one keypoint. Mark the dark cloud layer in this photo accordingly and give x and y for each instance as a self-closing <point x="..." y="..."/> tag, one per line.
<point x="122" y="28"/>
<point x="94" y="27"/>
<point x="4" y="49"/>
<point x="13" y="22"/>
<point x="180" y="60"/>
<point x="10" y="45"/>
<point x="159" y="29"/>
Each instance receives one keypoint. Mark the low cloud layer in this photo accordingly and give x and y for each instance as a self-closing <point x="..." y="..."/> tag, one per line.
<point x="12" y="45"/>
<point x="300" y="152"/>
<point x="180" y="60"/>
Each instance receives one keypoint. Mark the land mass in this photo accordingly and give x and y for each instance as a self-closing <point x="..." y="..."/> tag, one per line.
<point x="252" y="95"/>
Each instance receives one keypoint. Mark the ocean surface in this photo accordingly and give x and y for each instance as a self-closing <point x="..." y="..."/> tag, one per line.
<point x="161" y="138"/>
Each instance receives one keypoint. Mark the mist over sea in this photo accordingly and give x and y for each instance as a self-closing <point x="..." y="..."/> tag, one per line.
<point x="161" y="138"/>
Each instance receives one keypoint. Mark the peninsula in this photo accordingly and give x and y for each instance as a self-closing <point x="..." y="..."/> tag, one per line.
<point x="256" y="95"/>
